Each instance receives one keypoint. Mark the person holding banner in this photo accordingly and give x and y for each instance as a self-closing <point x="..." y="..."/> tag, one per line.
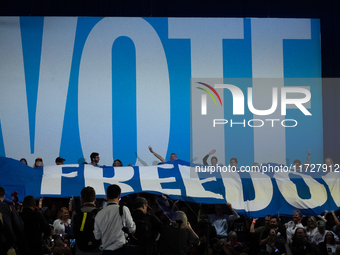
<point x="38" y="162"/>
<point x="173" y="156"/>
<point x="213" y="160"/>
<point x="94" y="159"/>
<point x="297" y="163"/>
<point x="330" y="165"/>
<point x="233" y="163"/>
<point x="117" y="163"/>
<point x="220" y="221"/>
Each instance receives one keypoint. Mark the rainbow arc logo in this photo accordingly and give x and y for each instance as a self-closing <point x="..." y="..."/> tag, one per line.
<point x="204" y="97"/>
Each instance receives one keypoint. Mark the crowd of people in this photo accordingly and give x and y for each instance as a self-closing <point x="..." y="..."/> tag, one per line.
<point x="155" y="224"/>
<point x="327" y="166"/>
<point x="152" y="224"/>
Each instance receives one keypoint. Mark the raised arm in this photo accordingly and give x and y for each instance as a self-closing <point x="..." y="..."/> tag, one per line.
<point x="156" y="155"/>
<point x="205" y="162"/>
<point x="324" y="216"/>
<point x="305" y="166"/>
<point x="336" y="220"/>
<point x="140" y="160"/>
<point x="252" y="226"/>
<point x="70" y="204"/>
<point x="235" y="215"/>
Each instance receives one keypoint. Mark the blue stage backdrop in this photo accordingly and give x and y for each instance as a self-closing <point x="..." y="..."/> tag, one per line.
<point x="71" y="86"/>
<point x="267" y="190"/>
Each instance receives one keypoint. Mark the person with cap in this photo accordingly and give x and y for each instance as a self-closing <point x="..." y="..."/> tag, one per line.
<point x="148" y="226"/>
<point x="319" y="237"/>
<point x="59" y="161"/>
<point x="38" y="162"/>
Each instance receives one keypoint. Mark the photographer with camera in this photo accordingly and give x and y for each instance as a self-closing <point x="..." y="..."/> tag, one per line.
<point x="112" y="222"/>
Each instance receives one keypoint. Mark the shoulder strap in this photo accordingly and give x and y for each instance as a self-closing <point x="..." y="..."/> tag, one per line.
<point x="121" y="214"/>
<point x="121" y="210"/>
<point x="83" y="221"/>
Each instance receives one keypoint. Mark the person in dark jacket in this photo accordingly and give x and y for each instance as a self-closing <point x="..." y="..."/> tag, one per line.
<point x="176" y="239"/>
<point x="34" y="226"/>
<point x="300" y="244"/>
<point x="148" y="226"/>
<point x="7" y="238"/>
<point x="13" y="223"/>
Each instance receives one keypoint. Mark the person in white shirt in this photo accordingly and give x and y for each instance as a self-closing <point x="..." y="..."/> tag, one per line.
<point x="220" y="221"/>
<point x="112" y="222"/>
<point x="62" y="225"/>
<point x="293" y="225"/>
<point x="328" y="245"/>
<point x="320" y="236"/>
<point x="311" y="229"/>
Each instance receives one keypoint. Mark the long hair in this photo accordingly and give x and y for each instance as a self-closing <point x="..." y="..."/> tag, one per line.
<point x="314" y="220"/>
<point x="60" y="213"/>
<point x="181" y="220"/>
<point x="333" y="239"/>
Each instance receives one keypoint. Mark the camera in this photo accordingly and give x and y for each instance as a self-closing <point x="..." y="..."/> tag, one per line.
<point x="125" y="230"/>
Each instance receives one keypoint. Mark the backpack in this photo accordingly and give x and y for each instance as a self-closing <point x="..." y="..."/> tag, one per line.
<point x="143" y="232"/>
<point x="83" y="226"/>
